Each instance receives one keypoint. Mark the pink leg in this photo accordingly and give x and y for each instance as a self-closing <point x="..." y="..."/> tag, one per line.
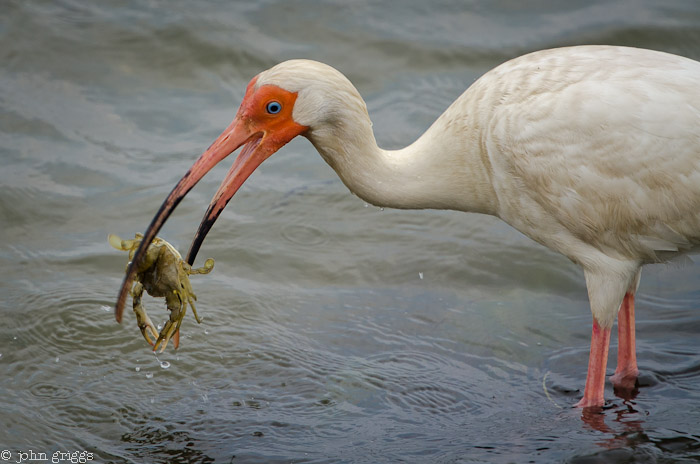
<point x="626" y="373"/>
<point x="594" y="394"/>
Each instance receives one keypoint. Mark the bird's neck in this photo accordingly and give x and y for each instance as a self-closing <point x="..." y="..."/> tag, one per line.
<point x="440" y="170"/>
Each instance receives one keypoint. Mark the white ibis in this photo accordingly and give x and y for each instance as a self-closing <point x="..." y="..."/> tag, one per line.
<point x="592" y="151"/>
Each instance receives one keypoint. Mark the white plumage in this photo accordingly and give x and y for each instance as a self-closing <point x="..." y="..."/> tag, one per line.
<point x="592" y="151"/>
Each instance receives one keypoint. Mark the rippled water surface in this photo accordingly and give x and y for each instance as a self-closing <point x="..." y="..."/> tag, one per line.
<point x="333" y="331"/>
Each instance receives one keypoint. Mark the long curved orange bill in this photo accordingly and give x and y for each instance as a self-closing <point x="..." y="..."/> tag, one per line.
<point x="235" y="135"/>
<point x="260" y="135"/>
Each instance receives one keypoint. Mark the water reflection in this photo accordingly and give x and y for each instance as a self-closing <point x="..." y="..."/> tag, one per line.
<point x="595" y="418"/>
<point x="625" y="438"/>
<point x="625" y="426"/>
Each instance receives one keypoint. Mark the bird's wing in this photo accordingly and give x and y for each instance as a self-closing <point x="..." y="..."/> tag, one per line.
<point x="611" y="153"/>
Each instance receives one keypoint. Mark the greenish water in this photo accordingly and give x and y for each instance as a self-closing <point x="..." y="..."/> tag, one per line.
<point x="333" y="331"/>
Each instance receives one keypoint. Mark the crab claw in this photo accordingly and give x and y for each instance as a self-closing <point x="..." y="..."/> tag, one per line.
<point x="148" y="330"/>
<point x="170" y="329"/>
<point x="178" y="307"/>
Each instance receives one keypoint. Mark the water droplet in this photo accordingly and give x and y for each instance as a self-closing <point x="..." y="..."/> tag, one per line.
<point x="206" y="331"/>
<point x="420" y="274"/>
<point x="164" y="364"/>
<point x="138" y="369"/>
<point x="160" y="326"/>
<point x="149" y="375"/>
<point x="366" y="205"/>
<point x="14" y="338"/>
<point x="56" y="358"/>
<point x="381" y="209"/>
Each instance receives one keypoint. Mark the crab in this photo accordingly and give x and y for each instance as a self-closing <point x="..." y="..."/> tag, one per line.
<point x="162" y="273"/>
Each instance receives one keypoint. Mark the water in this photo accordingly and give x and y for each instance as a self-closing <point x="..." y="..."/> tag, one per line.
<point x="332" y="332"/>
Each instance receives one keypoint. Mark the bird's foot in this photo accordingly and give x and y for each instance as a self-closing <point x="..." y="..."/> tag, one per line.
<point x="625" y="378"/>
<point x="587" y="402"/>
<point x="625" y="384"/>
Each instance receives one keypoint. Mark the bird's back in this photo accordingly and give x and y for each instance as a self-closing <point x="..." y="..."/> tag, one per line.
<point x="592" y="147"/>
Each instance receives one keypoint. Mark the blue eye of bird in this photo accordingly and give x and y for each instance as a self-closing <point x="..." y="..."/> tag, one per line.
<point x="274" y="107"/>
